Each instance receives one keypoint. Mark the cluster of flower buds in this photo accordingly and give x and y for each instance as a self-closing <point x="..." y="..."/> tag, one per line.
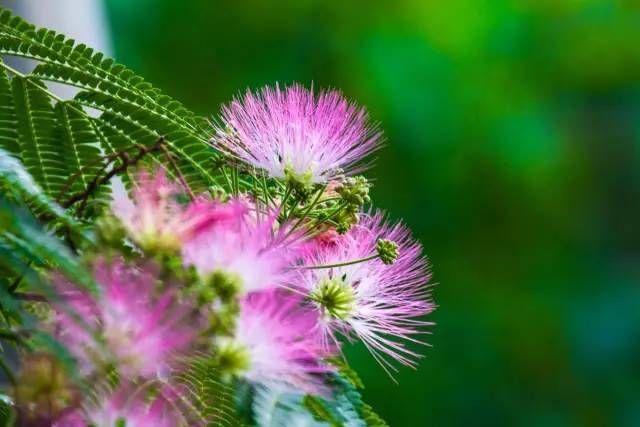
<point x="263" y="280"/>
<point x="354" y="192"/>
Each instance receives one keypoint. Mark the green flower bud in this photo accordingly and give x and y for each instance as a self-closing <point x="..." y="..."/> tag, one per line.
<point x="109" y="231"/>
<point x="218" y="193"/>
<point x="354" y="191"/>
<point x="226" y="285"/>
<point x="345" y="220"/>
<point x="387" y="250"/>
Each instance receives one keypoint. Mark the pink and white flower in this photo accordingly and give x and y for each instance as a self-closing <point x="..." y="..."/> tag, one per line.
<point x="295" y="133"/>
<point x="378" y="303"/>
<point x="127" y="407"/>
<point x="155" y="219"/>
<point x="276" y="336"/>
<point x="129" y="323"/>
<point x="243" y="245"/>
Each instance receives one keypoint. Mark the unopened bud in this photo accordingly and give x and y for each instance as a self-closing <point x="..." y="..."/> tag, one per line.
<point x="387" y="250"/>
<point x="226" y="285"/>
<point x="354" y="191"/>
<point x="109" y="231"/>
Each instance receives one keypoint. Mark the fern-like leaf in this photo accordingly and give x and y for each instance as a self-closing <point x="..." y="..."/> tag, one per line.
<point x="207" y="396"/>
<point x="36" y="126"/>
<point x="79" y="146"/>
<point x="131" y="105"/>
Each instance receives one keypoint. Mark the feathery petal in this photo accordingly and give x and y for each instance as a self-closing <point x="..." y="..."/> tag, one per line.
<point x="280" y="341"/>
<point x="295" y="132"/>
<point x="243" y="246"/>
<point x="376" y="302"/>
<point x="143" y="330"/>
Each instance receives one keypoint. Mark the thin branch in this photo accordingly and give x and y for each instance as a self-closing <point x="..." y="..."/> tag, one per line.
<point x="339" y="264"/>
<point x="126" y="163"/>
<point x="28" y="296"/>
<point x="179" y="175"/>
<point x="108" y="158"/>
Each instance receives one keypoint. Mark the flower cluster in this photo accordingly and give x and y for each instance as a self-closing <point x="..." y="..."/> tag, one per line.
<point x="267" y="281"/>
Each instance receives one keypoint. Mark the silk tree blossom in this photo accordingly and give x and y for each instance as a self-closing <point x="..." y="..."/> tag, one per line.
<point x="297" y="134"/>
<point x="155" y="219"/>
<point x="374" y="301"/>
<point x="276" y="343"/>
<point x="124" y="407"/>
<point x="142" y="331"/>
<point x="244" y="248"/>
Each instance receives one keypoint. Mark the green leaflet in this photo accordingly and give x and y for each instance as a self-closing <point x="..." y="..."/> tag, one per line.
<point x="23" y="236"/>
<point x="8" y="121"/>
<point x="210" y="399"/>
<point x="36" y="124"/>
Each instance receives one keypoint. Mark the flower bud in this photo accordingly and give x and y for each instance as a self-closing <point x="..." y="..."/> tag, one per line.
<point x="387" y="250"/>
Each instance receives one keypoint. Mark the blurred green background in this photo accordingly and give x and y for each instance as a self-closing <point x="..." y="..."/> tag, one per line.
<point x="513" y="152"/>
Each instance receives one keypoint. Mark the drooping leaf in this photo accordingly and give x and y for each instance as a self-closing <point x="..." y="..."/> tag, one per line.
<point x="40" y="150"/>
<point x="278" y="406"/>
<point x="8" y="121"/>
<point x="15" y="179"/>
<point x="345" y="407"/>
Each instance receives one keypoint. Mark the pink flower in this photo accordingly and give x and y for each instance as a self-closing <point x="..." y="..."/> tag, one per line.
<point x="276" y="338"/>
<point x="373" y="301"/>
<point x="155" y="219"/>
<point x="243" y="246"/>
<point x="124" y="406"/>
<point x="142" y="330"/>
<point x="296" y="133"/>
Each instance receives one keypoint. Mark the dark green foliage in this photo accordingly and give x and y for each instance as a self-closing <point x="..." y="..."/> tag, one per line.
<point x="6" y="414"/>
<point x="65" y="148"/>
<point x="26" y="251"/>
<point x="346" y="404"/>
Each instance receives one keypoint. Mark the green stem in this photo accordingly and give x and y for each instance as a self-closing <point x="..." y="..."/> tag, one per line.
<point x="21" y="75"/>
<point x="285" y="199"/>
<point x="340" y="264"/>
<point x="234" y="182"/>
<point x="267" y="196"/>
<point x="328" y="218"/>
<point x="226" y="178"/>
<point x="306" y="211"/>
